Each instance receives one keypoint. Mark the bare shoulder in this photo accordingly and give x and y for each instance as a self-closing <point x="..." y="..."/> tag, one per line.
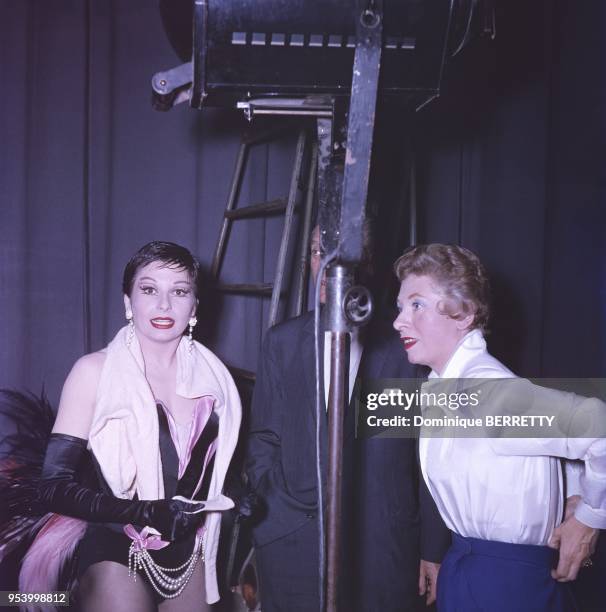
<point x="78" y="396"/>
<point x="89" y="366"/>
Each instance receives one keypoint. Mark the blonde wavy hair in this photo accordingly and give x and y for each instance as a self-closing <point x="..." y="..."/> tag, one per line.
<point x="459" y="276"/>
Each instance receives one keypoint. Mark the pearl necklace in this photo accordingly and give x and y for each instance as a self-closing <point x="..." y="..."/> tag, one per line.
<point x="165" y="585"/>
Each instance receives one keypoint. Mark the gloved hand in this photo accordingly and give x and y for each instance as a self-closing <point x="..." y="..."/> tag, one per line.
<point x="172" y="518"/>
<point x="246" y="501"/>
<point x="246" y="505"/>
<point x="60" y="492"/>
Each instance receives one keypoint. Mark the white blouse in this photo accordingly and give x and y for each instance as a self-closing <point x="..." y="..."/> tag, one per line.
<point x="509" y="490"/>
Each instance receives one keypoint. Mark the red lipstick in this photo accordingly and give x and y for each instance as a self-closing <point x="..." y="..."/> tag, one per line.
<point x="162" y="322"/>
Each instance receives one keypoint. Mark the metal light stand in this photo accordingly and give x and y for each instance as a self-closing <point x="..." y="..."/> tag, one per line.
<point x="349" y="234"/>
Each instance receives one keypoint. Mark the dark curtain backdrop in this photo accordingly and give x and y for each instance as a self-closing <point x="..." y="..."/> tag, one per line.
<point x="89" y="173"/>
<point x="510" y="162"/>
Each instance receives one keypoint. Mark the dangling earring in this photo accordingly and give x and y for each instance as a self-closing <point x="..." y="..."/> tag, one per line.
<point x="131" y="328"/>
<point x="190" y="336"/>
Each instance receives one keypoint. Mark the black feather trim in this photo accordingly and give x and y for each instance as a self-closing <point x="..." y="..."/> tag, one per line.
<point x="26" y="421"/>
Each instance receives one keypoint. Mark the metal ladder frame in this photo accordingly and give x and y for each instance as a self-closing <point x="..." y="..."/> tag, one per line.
<point x="288" y="206"/>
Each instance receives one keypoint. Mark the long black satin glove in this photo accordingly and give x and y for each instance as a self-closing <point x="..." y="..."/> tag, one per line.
<point x="60" y="492"/>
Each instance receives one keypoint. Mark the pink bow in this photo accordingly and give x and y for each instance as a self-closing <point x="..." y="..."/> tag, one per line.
<point x="148" y="539"/>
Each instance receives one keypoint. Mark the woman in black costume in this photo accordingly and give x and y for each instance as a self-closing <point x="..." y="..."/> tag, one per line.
<point x="159" y="415"/>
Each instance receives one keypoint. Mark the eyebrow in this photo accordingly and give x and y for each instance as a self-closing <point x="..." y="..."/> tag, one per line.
<point x="153" y="280"/>
<point x="415" y="294"/>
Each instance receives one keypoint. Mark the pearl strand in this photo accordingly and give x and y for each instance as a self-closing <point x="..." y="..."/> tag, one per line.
<point x="142" y="560"/>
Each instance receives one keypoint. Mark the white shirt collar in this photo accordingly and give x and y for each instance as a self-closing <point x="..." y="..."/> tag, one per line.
<point x="470" y="345"/>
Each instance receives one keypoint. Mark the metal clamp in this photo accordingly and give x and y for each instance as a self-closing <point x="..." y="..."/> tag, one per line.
<point x="171" y="86"/>
<point x="357" y="305"/>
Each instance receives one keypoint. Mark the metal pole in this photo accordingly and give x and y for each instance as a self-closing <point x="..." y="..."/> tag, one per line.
<point x="360" y="127"/>
<point x="337" y="400"/>
<point x="301" y="297"/>
<point x="338" y="279"/>
<point x="413" y="223"/>
<point x="288" y="220"/>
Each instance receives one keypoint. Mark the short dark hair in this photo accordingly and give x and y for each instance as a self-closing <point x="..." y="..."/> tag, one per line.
<point x="460" y="275"/>
<point x="170" y="254"/>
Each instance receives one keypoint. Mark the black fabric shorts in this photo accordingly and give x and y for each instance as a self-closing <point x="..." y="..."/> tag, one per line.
<point x="108" y="542"/>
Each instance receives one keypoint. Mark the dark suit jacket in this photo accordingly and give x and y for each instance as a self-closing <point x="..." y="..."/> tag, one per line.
<point x="381" y="486"/>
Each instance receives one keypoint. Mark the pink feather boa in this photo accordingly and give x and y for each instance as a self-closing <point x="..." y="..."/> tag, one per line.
<point x="52" y="547"/>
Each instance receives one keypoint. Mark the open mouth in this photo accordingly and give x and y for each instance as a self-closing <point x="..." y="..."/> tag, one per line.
<point x="162" y="323"/>
<point x="408" y="342"/>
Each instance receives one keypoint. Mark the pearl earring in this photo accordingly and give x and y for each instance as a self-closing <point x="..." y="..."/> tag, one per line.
<point x="190" y="336"/>
<point x="131" y="328"/>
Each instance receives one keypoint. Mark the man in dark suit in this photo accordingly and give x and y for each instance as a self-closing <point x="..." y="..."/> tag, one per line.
<point x="387" y="524"/>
